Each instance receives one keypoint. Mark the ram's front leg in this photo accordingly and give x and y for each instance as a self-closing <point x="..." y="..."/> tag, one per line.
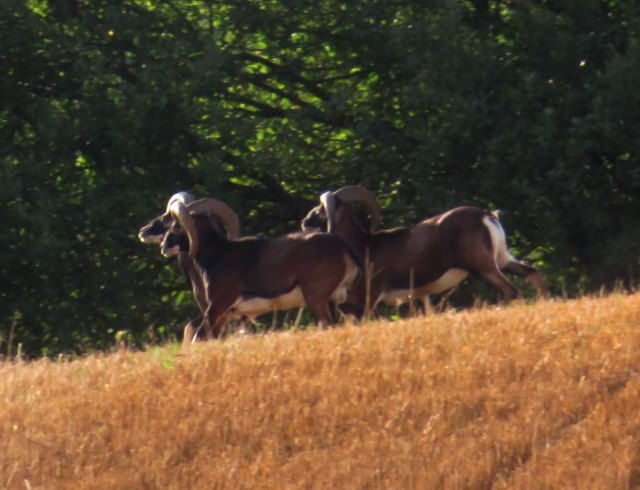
<point x="217" y="314"/>
<point x="356" y="303"/>
<point x="189" y="335"/>
<point x="192" y="330"/>
<point x="216" y="318"/>
<point x="220" y="302"/>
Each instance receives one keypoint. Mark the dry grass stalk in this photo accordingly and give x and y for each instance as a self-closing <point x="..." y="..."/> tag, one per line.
<point x="411" y="291"/>
<point x="368" y="276"/>
<point x="543" y="395"/>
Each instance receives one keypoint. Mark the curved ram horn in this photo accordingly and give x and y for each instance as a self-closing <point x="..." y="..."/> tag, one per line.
<point x="214" y="207"/>
<point x="184" y="197"/>
<point x="351" y="193"/>
<point x="328" y="201"/>
<point x="180" y="212"/>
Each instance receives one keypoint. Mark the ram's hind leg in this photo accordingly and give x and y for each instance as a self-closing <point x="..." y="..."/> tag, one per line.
<point x="318" y="303"/>
<point x="486" y="268"/>
<point x="501" y="283"/>
<point x="322" y="314"/>
<point x="531" y="274"/>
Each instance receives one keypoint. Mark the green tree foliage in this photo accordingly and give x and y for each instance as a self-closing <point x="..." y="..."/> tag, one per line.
<point x="107" y="108"/>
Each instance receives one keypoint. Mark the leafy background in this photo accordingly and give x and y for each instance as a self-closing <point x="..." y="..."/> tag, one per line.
<point x="108" y="108"/>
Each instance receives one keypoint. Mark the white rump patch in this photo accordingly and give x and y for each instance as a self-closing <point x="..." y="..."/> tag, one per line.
<point x="339" y="296"/>
<point x="499" y="242"/>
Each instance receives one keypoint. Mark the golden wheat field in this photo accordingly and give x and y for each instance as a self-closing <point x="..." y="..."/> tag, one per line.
<point x="541" y="395"/>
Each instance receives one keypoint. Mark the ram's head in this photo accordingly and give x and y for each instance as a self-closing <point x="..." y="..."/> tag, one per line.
<point x="328" y="214"/>
<point x="190" y="221"/>
<point x="154" y="230"/>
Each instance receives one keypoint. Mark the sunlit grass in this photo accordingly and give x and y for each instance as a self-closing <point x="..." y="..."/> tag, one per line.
<point x="542" y="395"/>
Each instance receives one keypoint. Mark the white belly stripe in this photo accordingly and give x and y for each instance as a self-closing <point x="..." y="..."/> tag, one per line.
<point x="257" y="306"/>
<point x="449" y="279"/>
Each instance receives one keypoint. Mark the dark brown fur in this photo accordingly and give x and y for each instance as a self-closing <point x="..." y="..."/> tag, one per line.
<point x="457" y="239"/>
<point x="264" y="268"/>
